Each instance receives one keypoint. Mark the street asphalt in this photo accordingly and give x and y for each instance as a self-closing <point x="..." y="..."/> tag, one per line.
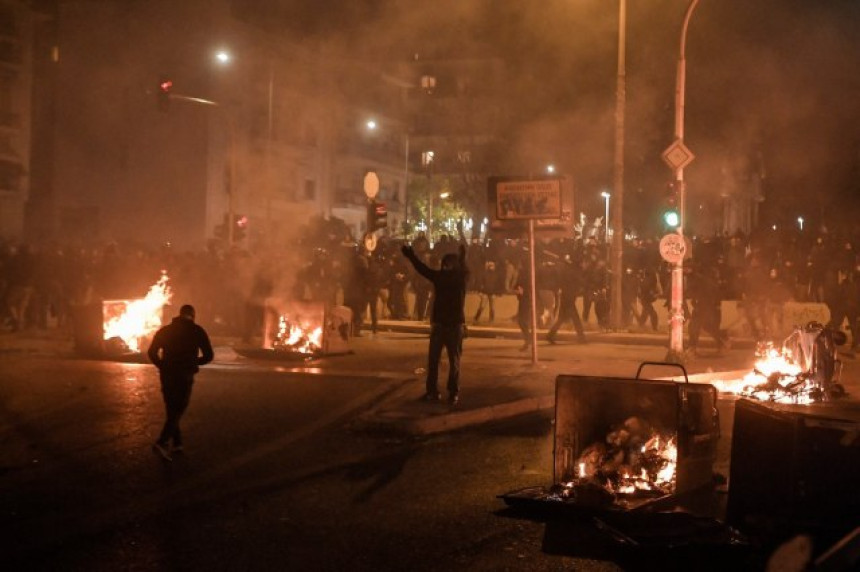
<point x="498" y="381"/>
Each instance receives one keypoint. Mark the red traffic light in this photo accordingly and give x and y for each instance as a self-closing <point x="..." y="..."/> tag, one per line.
<point x="163" y="94"/>
<point x="671" y="196"/>
<point x="377" y="216"/>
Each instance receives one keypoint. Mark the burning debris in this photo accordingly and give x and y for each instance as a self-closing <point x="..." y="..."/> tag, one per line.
<point x="634" y="462"/>
<point x="625" y="444"/>
<point x="127" y="323"/>
<point x="302" y="330"/>
<point x="293" y="335"/>
<point x="805" y="370"/>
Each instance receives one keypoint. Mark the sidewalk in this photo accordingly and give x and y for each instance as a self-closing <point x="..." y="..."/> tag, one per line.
<point x="500" y="382"/>
<point x="494" y="392"/>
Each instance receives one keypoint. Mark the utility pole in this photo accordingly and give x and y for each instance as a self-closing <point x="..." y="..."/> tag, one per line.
<point x="616" y="253"/>
<point x="678" y="156"/>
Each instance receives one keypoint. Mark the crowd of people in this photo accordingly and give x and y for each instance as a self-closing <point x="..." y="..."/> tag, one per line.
<point x="42" y="285"/>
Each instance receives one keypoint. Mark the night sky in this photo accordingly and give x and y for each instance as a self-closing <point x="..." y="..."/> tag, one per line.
<point x="772" y="86"/>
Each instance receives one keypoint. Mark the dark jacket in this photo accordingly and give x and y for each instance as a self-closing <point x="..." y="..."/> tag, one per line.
<point x="184" y="346"/>
<point x="449" y="288"/>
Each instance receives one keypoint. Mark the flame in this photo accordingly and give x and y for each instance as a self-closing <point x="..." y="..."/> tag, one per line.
<point x="139" y="319"/>
<point x="297" y="337"/>
<point x="649" y="468"/>
<point x="776" y="377"/>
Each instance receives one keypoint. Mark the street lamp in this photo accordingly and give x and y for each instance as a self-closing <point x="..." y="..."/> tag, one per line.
<point x="606" y="196"/>
<point x="372" y="125"/>
<point x="550" y="169"/>
<point x="800" y="223"/>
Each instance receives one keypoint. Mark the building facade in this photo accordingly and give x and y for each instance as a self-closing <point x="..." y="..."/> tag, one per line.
<point x="16" y="84"/>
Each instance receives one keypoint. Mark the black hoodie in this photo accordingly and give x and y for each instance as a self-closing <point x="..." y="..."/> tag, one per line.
<point x="181" y="343"/>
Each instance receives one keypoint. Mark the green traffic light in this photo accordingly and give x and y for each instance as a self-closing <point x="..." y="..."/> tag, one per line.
<point x="672" y="218"/>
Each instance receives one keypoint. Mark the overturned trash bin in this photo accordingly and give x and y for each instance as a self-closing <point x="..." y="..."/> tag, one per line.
<point x="624" y="444"/>
<point x="297" y="330"/>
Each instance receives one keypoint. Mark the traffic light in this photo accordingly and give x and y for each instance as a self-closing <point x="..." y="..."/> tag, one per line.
<point x="377" y="216"/>
<point x="163" y="94"/>
<point x="671" y="209"/>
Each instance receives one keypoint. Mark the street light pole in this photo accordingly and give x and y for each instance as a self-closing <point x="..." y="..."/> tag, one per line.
<point x="606" y="196"/>
<point x="676" y="339"/>
<point x="617" y="249"/>
<point x="406" y="180"/>
<point x="430" y="218"/>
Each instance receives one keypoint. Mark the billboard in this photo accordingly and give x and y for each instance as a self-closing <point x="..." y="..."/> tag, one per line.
<point x="548" y="201"/>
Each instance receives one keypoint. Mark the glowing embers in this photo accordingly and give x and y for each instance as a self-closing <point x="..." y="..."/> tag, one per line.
<point x="632" y="464"/>
<point x="127" y="323"/>
<point x="297" y="335"/>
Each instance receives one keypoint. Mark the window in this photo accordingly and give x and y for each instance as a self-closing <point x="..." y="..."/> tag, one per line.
<point x="428" y="84"/>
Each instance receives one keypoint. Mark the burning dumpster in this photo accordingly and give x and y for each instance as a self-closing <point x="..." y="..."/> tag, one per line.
<point x="120" y="329"/>
<point x="623" y="444"/>
<point x="295" y="330"/>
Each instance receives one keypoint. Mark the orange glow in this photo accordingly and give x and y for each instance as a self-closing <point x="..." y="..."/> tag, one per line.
<point x="135" y="320"/>
<point x="648" y="468"/>
<point x="298" y="336"/>
<point x="774" y="373"/>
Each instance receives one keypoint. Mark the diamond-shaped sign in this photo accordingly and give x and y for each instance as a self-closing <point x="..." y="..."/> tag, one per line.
<point x="677" y="156"/>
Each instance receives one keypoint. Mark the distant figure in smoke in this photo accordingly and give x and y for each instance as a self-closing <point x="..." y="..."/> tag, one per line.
<point x="705" y="288"/>
<point x="447" y="320"/>
<point x="178" y="350"/>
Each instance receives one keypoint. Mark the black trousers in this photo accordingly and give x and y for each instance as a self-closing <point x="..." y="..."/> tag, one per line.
<point x="176" y="391"/>
<point x="449" y="337"/>
<point x="567" y="312"/>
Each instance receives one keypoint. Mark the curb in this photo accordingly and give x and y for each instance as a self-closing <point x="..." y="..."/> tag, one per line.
<point x="625" y="338"/>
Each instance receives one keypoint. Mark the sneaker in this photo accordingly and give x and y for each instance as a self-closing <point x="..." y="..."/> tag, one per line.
<point x="161" y="451"/>
<point x="550" y="338"/>
<point x="454" y="399"/>
<point x="432" y="396"/>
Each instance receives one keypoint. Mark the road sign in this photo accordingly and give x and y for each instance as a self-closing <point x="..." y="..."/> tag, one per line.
<point x="528" y="199"/>
<point x="677" y="155"/>
<point x="673" y="247"/>
<point x="371" y="185"/>
<point x="370" y="241"/>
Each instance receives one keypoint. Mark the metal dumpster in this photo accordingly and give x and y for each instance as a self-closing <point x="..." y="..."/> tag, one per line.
<point x="622" y="444"/>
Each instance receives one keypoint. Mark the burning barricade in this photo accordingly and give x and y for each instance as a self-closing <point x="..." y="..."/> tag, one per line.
<point x="806" y="369"/>
<point x="302" y="330"/>
<point x="121" y="328"/>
